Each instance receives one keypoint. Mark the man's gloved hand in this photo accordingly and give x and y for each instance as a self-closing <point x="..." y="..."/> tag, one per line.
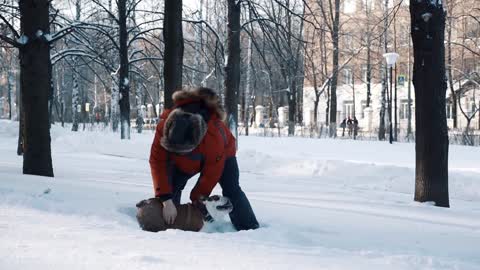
<point x="169" y="212"/>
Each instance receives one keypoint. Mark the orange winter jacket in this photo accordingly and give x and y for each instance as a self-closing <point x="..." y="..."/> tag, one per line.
<point x="208" y="158"/>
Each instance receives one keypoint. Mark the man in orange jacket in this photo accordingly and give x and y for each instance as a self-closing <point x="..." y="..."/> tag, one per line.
<point x="191" y="138"/>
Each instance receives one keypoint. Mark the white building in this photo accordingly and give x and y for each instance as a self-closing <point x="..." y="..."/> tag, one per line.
<point x="369" y="118"/>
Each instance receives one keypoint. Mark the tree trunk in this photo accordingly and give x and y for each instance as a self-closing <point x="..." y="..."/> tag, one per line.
<point x="60" y="95"/>
<point x="21" y="123"/>
<point x="450" y="73"/>
<point x="315" y="111"/>
<point x="75" y="96"/>
<point x="395" y="109"/>
<point x="10" y="89"/>
<point x="369" y="54"/>
<point x="232" y="67"/>
<point x="333" y="89"/>
<point x="467" y="139"/>
<point x="124" y="81"/>
<point x="327" y="110"/>
<point x="198" y="47"/>
<point x="75" y="90"/>
<point x="114" y="117"/>
<point x="248" y="85"/>
<point x="35" y="83"/>
<point x="173" y="55"/>
<point x="409" y="127"/>
<point x="292" y="103"/>
<point x="139" y="100"/>
<point x="369" y="71"/>
<point x="317" y="98"/>
<point x="431" y="174"/>
<point x="381" y="128"/>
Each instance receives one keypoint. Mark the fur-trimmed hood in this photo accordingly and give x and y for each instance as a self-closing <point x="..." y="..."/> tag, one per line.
<point x="183" y="131"/>
<point x="207" y="95"/>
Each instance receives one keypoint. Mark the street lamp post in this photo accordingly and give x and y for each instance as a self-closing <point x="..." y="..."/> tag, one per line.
<point x="391" y="59"/>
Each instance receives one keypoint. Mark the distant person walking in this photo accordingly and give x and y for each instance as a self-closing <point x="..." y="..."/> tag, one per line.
<point x="343" y="125"/>
<point x="350" y="126"/>
<point x="97" y="117"/>
<point x="355" y="127"/>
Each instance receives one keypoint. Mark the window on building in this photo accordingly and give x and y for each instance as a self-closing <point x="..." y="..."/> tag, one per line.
<point x="348" y="79"/>
<point x="348" y="109"/>
<point x="403" y="109"/>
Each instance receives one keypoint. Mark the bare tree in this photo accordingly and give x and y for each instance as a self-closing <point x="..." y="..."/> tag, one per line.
<point x="450" y="25"/>
<point x="114" y="49"/>
<point x="472" y="107"/>
<point x="33" y="42"/>
<point x="76" y="94"/>
<point x="232" y="63"/>
<point x="331" y="17"/>
<point x="431" y="172"/>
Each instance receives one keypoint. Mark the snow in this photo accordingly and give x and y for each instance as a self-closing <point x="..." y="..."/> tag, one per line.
<point x="22" y="39"/>
<point x="39" y="33"/>
<point x="48" y="37"/>
<point x="322" y="204"/>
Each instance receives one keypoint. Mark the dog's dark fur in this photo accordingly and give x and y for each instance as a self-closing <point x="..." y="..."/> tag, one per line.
<point x="150" y="217"/>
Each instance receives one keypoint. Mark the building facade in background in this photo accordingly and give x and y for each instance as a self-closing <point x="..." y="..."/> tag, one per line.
<point x="362" y="45"/>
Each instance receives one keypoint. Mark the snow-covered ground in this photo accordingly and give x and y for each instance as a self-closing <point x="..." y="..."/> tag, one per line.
<point x="322" y="204"/>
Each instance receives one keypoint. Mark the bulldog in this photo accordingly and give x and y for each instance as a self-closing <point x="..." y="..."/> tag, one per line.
<point x="190" y="217"/>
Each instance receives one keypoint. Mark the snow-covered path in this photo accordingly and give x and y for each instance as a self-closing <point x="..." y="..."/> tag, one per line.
<point x="322" y="205"/>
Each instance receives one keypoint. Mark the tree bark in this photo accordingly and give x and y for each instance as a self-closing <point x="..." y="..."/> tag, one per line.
<point x="382" y="128"/>
<point x="198" y="46"/>
<point x="10" y="79"/>
<point x="369" y="71"/>
<point x="369" y="55"/>
<point x="333" y="86"/>
<point x="114" y="117"/>
<point x="35" y="83"/>
<point x="431" y="172"/>
<point x="173" y="55"/>
<point x="409" y="127"/>
<point x="139" y="98"/>
<point x="75" y="88"/>
<point x="292" y="103"/>
<point x="248" y="85"/>
<point x="232" y="67"/>
<point x="75" y="95"/>
<point x="124" y="81"/>
<point x="21" y="123"/>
